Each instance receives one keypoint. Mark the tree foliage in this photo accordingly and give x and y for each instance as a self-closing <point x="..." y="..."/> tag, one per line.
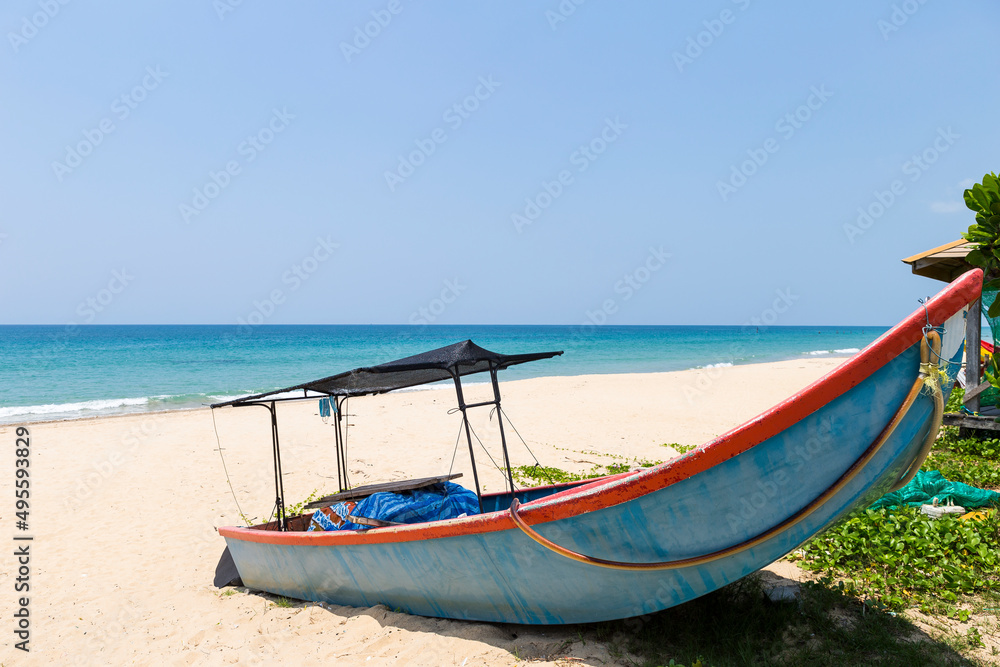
<point x="984" y="199"/>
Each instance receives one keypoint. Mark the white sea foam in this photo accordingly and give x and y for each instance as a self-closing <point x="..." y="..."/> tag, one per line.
<point x="846" y="350"/>
<point x="224" y="398"/>
<point x="220" y="398"/>
<point x="285" y="394"/>
<point x="721" y="364"/>
<point x="66" y="408"/>
<point x="84" y="409"/>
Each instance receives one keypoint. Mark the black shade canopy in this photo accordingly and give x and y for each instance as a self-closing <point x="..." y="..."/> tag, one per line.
<point x="443" y="363"/>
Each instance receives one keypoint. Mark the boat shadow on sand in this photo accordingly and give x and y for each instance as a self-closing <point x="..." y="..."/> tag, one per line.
<point x="804" y="624"/>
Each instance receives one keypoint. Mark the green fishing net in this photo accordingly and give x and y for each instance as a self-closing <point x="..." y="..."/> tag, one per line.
<point x="927" y="485"/>
<point x="991" y="395"/>
<point x="989" y="296"/>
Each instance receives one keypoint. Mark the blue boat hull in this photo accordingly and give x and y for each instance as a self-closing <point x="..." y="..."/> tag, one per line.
<point x="503" y="575"/>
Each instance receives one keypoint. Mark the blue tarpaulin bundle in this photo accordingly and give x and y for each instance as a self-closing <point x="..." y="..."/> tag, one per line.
<point x="927" y="485"/>
<point x="441" y="501"/>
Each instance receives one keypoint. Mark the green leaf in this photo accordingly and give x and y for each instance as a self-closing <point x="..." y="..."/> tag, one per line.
<point x="994" y="310"/>
<point x="990" y="183"/>
<point x="970" y="202"/>
<point x="992" y="284"/>
<point x="976" y="258"/>
<point x="981" y="197"/>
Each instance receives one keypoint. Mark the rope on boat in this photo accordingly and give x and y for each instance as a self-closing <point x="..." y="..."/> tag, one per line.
<point x="458" y="439"/>
<point x="851" y="473"/>
<point x="504" y="416"/>
<point x="930" y="376"/>
<point x="218" y="445"/>
<point x="476" y="436"/>
<point x="492" y="460"/>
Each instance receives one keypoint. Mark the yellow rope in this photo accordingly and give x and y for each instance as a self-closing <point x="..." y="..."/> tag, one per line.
<point x="932" y="379"/>
<point x="791" y="521"/>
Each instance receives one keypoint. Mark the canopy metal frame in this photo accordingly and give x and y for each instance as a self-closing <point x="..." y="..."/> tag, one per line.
<point x="340" y="439"/>
<point x="279" y="486"/>
<point x="338" y="401"/>
<point x="464" y="407"/>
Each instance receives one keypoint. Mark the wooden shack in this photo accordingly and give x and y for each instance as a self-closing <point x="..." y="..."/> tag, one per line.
<point x="946" y="263"/>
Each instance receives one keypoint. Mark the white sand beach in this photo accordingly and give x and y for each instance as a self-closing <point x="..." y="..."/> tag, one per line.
<point x="124" y="514"/>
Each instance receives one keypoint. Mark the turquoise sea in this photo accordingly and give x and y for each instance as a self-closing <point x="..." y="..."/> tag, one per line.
<point x="64" y="372"/>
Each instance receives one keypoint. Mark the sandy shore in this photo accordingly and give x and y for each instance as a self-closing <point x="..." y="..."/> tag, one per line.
<point x="125" y="509"/>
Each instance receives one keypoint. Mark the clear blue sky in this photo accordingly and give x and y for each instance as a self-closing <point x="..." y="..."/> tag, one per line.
<point x="312" y="119"/>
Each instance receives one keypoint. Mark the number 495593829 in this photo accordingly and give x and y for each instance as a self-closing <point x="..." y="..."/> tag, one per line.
<point x="22" y="477"/>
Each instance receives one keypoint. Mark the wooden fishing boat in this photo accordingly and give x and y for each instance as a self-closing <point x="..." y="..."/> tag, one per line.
<point x="643" y="541"/>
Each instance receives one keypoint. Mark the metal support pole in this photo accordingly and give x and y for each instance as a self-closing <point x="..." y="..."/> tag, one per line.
<point x="973" y="335"/>
<point x="503" y="438"/>
<point x="336" y="438"/>
<point x="279" y="487"/>
<point x="341" y="446"/>
<point x="468" y="436"/>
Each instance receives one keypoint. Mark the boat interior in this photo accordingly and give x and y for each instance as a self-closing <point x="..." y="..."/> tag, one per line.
<point x="491" y="502"/>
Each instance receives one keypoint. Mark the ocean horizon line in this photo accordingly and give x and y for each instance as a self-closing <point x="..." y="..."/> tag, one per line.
<point x="51" y="371"/>
<point x="165" y="403"/>
<point x="442" y="325"/>
<point x="406" y="324"/>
